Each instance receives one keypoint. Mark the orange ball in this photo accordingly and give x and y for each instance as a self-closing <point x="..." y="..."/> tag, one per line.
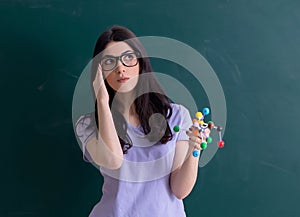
<point x="196" y="132"/>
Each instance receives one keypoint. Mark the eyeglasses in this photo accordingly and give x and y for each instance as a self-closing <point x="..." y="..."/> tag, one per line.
<point x="128" y="59"/>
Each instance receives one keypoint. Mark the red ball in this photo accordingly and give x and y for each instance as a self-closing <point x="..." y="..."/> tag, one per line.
<point x="221" y="144"/>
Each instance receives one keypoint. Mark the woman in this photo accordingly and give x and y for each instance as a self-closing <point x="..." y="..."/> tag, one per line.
<point x="147" y="168"/>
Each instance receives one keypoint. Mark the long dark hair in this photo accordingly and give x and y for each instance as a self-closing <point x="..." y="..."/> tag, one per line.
<point x="148" y="103"/>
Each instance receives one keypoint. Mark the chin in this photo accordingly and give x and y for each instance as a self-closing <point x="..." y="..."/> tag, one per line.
<point x="127" y="87"/>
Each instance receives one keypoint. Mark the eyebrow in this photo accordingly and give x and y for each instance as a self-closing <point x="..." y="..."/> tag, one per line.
<point x="128" y="51"/>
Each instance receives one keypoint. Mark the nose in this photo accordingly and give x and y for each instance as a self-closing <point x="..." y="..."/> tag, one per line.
<point x="120" y="68"/>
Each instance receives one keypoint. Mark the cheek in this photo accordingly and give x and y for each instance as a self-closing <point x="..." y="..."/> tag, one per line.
<point x="110" y="81"/>
<point x="135" y="70"/>
<point x="138" y="69"/>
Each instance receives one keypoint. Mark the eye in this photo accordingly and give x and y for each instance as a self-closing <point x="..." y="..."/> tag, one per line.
<point x="108" y="61"/>
<point x="129" y="57"/>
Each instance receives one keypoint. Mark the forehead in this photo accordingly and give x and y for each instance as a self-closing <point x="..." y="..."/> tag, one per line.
<point x="116" y="48"/>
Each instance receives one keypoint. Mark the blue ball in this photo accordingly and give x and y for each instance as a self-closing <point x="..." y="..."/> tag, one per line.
<point x="196" y="153"/>
<point x="205" y="111"/>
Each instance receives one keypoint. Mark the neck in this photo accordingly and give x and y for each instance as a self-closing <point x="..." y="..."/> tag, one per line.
<point x="125" y="105"/>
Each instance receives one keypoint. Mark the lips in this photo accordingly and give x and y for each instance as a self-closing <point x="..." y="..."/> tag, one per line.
<point x="123" y="80"/>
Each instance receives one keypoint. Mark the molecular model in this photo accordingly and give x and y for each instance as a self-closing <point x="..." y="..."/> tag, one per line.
<point x="201" y="126"/>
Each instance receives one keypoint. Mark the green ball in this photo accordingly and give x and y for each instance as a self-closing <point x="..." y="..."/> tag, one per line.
<point x="203" y="145"/>
<point x="209" y="139"/>
<point x="176" y="128"/>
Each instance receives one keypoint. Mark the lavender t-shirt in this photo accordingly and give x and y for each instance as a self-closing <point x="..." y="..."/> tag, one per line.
<point x="140" y="188"/>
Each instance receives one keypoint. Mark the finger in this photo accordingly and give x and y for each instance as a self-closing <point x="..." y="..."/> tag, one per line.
<point x="190" y="133"/>
<point x="195" y="145"/>
<point x="97" y="81"/>
<point x="99" y="68"/>
<point x="193" y="130"/>
<point x="196" y="139"/>
<point x="99" y="74"/>
<point x="103" y="75"/>
<point x="207" y="132"/>
<point x="203" y="136"/>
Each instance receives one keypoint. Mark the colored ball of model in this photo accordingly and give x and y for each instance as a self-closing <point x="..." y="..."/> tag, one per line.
<point x="196" y="153"/>
<point x="176" y="128"/>
<point x="210" y="124"/>
<point x="203" y="145"/>
<point x="199" y="115"/>
<point x="205" y="111"/>
<point x="209" y="139"/>
<point x="221" y="144"/>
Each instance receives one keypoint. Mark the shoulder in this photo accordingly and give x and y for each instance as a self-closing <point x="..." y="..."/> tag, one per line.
<point x="178" y="109"/>
<point x="179" y="114"/>
<point x="181" y="118"/>
<point x="85" y="118"/>
<point x="85" y="124"/>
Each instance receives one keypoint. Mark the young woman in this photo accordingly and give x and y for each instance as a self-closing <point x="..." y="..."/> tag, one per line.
<point x="147" y="168"/>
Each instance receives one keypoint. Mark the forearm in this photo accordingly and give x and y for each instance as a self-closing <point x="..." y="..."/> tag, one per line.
<point x="184" y="178"/>
<point x="108" y="149"/>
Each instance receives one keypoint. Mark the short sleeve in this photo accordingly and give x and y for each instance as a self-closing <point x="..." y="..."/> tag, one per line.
<point x="86" y="129"/>
<point x="185" y="123"/>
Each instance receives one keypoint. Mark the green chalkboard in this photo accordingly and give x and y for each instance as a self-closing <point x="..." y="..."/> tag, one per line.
<point x="253" y="48"/>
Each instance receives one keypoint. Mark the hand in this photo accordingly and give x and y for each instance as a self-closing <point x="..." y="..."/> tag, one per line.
<point x="99" y="86"/>
<point x="195" y="138"/>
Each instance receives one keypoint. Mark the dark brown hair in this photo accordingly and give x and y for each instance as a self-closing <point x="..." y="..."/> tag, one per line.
<point x="148" y="103"/>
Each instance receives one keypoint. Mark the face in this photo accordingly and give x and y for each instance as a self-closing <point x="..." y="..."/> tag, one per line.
<point x="122" y="78"/>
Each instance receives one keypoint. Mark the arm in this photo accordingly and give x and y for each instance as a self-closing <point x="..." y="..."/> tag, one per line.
<point x="106" y="151"/>
<point x="184" y="171"/>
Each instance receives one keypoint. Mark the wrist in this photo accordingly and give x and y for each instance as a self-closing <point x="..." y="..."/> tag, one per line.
<point x="189" y="154"/>
<point x="103" y="106"/>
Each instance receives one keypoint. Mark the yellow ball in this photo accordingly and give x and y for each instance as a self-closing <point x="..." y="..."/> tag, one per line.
<point x="199" y="115"/>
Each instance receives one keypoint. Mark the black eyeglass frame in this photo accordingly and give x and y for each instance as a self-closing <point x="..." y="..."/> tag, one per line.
<point x="119" y="58"/>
